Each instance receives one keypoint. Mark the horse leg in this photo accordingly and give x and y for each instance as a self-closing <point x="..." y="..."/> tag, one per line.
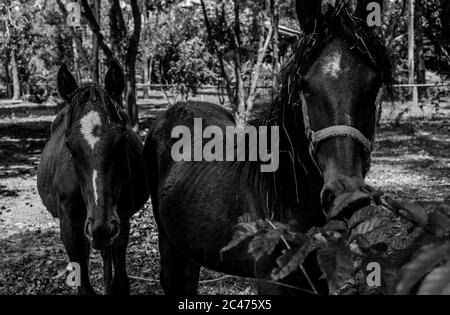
<point x="107" y="270"/>
<point x="77" y="249"/>
<point x="121" y="282"/>
<point x="179" y="275"/>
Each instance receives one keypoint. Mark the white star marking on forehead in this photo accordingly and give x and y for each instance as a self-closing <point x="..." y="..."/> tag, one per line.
<point x="332" y="65"/>
<point x="88" y="124"/>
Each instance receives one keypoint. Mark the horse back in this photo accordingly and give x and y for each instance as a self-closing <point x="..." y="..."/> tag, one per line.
<point x="182" y="114"/>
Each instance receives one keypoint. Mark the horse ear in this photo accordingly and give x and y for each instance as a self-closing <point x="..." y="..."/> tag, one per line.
<point x="115" y="81"/>
<point x="309" y="13"/>
<point x="66" y="83"/>
<point x="362" y="11"/>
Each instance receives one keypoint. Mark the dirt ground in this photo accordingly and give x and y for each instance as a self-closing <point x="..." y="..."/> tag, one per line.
<point x="411" y="159"/>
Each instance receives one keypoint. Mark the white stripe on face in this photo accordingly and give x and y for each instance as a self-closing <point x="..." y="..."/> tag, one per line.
<point x="333" y="65"/>
<point x="94" y="185"/>
<point x="89" y="123"/>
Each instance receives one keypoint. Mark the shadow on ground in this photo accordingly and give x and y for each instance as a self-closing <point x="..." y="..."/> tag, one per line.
<point x="32" y="263"/>
<point x="21" y="145"/>
<point x="418" y="145"/>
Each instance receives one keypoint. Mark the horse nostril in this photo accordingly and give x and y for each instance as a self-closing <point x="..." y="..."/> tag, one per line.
<point x="328" y="197"/>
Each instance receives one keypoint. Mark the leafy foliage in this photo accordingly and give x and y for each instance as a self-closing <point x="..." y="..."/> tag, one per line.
<point x="345" y="248"/>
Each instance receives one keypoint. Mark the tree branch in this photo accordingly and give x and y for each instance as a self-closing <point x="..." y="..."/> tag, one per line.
<point x="76" y="37"/>
<point x="235" y="35"/>
<point x="134" y="39"/>
<point x="120" y="20"/>
<point x="263" y="46"/>
<point x="96" y="29"/>
<point x="215" y="50"/>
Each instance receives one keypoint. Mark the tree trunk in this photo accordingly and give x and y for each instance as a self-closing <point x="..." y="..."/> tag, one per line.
<point x="77" y="39"/>
<point x="147" y="59"/>
<point x="146" y="77"/>
<point x="214" y="50"/>
<point x="411" y="78"/>
<point x="15" y="75"/>
<point x="420" y="62"/>
<point x="445" y="19"/>
<point x="132" y="52"/>
<point x="276" y="41"/>
<point x="445" y="35"/>
<point x="130" y="90"/>
<point x="263" y="46"/>
<point x="113" y="27"/>
<point x="131" y="101"/>
<point x="95" y="44"/>
<point x="240" y="89"/>
<point x="8" y="79"/>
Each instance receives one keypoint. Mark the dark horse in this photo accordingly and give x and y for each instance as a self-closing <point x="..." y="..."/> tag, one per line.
<point x="325" y="110"/>
<point x="92" y="176"/>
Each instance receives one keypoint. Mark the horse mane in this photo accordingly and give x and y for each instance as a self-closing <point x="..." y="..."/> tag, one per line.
<point x="279" y="192"/>
<point x="98" y="95"/>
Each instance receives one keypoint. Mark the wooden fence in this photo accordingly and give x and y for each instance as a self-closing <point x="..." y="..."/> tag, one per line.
<point x="45" y="90"/>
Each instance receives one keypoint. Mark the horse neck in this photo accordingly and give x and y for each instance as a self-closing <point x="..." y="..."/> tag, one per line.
<point x="292" y="191"/>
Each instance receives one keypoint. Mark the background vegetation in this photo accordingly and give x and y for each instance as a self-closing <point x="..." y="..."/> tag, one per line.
<point x="236" y="46"/>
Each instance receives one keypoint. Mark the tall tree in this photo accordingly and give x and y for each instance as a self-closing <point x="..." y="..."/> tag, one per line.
<point x="78" y="41"/>
<point x="14" y="40"/>
<point x="419" y="52"/>
<point x="15" y="74"/>
<point x="274" y="13"/>
<point x="125" y="45"/>
<point x="245" y="72"/>
<point x="411" y="45"/>
<point x="96" y="9"/>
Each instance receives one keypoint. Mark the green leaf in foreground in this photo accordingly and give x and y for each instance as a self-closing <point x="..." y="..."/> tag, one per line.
<point x="335" y="226"/>
<point x="362" y="215"/>
<point x="243" y="231"/>
<point x="264" y="244"/>
<point x="426" y="258"/>
<point x="437" y="282"/>
<point x="292" y="259"/>
<point x="370" y="226"/>
<point x="336" y="263"/>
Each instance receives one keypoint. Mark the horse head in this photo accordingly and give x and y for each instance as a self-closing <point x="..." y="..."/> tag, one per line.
<point x="341" y="70"/>
<point x="95" y="135"/>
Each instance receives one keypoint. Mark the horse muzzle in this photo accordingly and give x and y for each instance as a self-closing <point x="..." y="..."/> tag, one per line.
<point x="102" y="235"/>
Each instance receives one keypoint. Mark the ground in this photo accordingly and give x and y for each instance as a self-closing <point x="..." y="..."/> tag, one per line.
<point x="411" y="159"/>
